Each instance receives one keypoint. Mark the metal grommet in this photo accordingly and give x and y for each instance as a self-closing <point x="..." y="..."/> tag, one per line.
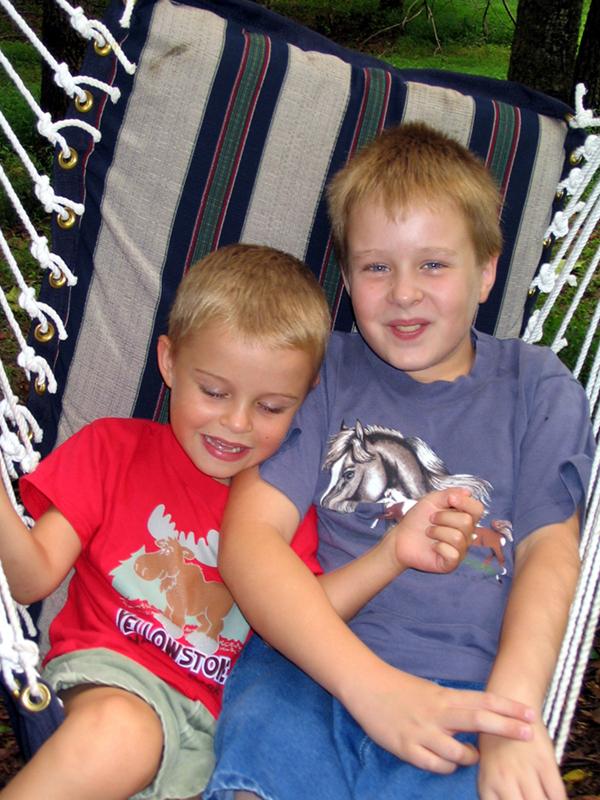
<point x="57" y="281"/>
<point x="67" y="222"/>
<point x="32" y="703"/>
<point x="39" y="386"/>
<point x="548" y="241"/>
<point x="87" y="103"/>
<point x="70" y="161"/>
<point x="102" y="49"/>
<point x="531" y="292"/>
<point x="575" y="158"/>
<point x="42" y="335"/>
<point x="569" y="117"/>
<point x="560" y="194"/>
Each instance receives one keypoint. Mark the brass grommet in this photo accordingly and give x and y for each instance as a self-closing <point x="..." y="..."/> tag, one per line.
<point x="531" y="292"/>
<point x="57" y="281"/>
<point x="547" y="241"/>
<point x="102" y="49"/>
<point x="88" y="102"/>
<point x="32" y="703"/>
<point x="560" y="194"/>
<point x="70" y="161"/>
<point x="42" y="335"/>
<point x="39" y="386"/>
<point x="575" y="158"/>
<point x="67" y="222"/>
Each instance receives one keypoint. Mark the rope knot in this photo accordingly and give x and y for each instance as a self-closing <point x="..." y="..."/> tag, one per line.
<point x="28" y="302"/>
<point x="64" y="79"/>
<point x="81" y="23"/>
<point x="46" y="128"/>
<point x="45" y="193"/>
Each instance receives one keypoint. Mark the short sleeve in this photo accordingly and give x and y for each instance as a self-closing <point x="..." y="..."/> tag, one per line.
<point x="71" y="478"/>
<point x="294" y="469"/>
<point x="556" y="452"/>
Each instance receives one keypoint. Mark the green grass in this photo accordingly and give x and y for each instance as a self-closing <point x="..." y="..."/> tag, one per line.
<point x="483" y="59"/>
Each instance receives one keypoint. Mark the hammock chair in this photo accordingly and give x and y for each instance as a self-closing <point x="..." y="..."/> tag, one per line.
<point x="196" y="124"/>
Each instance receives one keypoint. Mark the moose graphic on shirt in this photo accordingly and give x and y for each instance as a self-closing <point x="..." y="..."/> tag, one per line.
<point x="169" y="580"/>
<point x="379" y="465"/>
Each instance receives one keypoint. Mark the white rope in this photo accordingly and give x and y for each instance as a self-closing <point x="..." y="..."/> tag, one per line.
<point x="93" y="29"/>
<point x="125" y="20"/>
<point x="43" y="191"/>
<point x="39" y="244"/>
<point x="45" y="126"/>
<point x="62" y="75"/>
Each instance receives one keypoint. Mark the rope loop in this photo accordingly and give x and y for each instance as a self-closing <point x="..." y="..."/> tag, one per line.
<point x="64" y="79"/>
<point x="81" y="23"/>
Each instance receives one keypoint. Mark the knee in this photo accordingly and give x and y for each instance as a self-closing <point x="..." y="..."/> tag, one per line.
<point x="105" y="713"/>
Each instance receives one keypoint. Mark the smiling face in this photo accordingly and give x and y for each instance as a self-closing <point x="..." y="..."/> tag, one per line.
<point x="231" y="401"/>
<point x="415" y="286"/>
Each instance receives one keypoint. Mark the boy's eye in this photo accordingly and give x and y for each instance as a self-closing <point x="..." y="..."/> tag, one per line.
<point x="433" y="266"/>
<point x="212" y="392"/>
<point x="271" y="409"/>
<point x="376" y="268"/>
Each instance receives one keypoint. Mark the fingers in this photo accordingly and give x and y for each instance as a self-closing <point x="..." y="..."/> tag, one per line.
<point x="459" y="499"/>
<point x="484" y="712"/>
<point x="443" y="754"/>
<point x="452" y="538"/>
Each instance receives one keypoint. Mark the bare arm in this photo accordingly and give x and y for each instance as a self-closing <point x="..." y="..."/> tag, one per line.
<point x="36" y="561"/>
<point x="433" y="537"/>
<point x="284" y="602"/>
<point x="546" y="572"/>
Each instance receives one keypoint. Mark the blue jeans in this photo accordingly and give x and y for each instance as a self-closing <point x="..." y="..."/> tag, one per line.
<point x="283" y="737"/>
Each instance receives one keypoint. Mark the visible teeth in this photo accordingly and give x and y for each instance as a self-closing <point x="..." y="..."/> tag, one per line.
<point x="218" y="444"/>
<point x="409" y="328"/>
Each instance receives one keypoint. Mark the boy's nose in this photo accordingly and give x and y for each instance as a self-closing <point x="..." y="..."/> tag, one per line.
<point x="237" y="419"/>
<point x="405" y="291"/>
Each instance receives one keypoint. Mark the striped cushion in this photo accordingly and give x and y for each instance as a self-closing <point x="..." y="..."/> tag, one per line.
<point x="229" y="131"/>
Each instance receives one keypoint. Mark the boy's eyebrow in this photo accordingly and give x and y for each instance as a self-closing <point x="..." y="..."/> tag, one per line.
<point x="426" y="249"/>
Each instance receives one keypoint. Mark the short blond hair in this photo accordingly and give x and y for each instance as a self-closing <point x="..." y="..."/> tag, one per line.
<point x="415" y="164"/>
<point x="260" y="293"/>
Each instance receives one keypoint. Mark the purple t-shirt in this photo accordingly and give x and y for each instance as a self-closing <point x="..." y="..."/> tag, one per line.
<point x="369" y="439"/>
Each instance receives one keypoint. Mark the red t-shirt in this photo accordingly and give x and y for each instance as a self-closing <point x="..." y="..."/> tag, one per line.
<point x="146" y="582"/>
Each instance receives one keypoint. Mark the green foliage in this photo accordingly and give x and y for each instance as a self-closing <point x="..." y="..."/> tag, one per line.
<point x="482" y="59"/>
<point x="353" y="21"/>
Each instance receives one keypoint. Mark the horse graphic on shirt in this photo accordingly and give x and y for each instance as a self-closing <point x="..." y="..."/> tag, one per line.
<point x="380" y="465"/>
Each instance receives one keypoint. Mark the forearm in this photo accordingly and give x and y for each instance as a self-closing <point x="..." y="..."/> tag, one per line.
<point x="350" y="587"/>
<point x="536" y="615"/>
<point x="34" y="561"/>
<point x="285" y="604"/>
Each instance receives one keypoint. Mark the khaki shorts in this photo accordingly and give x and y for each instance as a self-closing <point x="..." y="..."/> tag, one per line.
<point x="188" y="728"/>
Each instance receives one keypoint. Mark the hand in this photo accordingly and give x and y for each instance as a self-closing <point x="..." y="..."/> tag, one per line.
<point x="511" y="770"/>
<point x="435" y="534"/>
<point x="415" y="719"/>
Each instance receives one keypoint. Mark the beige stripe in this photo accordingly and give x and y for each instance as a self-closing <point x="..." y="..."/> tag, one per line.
<point x="533" y="225"/>
<point x="303" y="133"/>
<point x="445" y="109"/>
<point x="165" y="109"/>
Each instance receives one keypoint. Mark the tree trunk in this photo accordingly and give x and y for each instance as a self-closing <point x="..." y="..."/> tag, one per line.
<point x="544" y="46"/>
<point x="587" y="66"/>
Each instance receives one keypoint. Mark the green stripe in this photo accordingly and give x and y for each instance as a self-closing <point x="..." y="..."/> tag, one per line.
<point x="499" y="157"/>
<point x="231" y="142"/>
<point x="374" y="108"/>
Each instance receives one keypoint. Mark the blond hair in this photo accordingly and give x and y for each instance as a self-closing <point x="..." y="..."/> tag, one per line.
<point x="414" y="164"/>
<point x="259" y="293"/>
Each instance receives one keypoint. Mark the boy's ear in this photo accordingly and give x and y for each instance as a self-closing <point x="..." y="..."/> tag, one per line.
<point x="488" y="278"/>
<point x="164" y="352"/>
